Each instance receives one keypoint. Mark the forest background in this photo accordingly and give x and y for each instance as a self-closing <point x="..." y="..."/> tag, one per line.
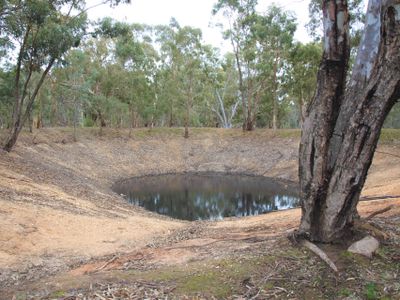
<point x="68" y="71"/>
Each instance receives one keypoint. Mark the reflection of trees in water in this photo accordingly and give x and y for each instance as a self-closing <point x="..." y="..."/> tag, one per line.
<point x="194" y="205"/>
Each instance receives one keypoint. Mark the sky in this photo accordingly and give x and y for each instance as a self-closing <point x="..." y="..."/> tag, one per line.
<point x="195" y="13"/>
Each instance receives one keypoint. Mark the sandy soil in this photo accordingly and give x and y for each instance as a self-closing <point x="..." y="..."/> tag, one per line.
<point x="57" y="209"/>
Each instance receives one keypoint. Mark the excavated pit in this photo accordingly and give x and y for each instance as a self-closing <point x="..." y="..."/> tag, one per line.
<point x="208" y="196"/>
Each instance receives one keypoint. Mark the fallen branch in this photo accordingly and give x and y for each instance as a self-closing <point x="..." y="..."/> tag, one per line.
<point x="383" y="197"/>
<point x="107" y="263"/>
<point x="374" y="214"/>
<point x="100" y="297"/>
<point x="312" y="247"/>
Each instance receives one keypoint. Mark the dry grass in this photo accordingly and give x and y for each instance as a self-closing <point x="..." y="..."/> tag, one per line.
<point x="58" y="213"/>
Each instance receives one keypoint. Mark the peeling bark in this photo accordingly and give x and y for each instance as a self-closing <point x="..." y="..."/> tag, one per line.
<point x="341" y="129"/>
<point x="321" y="117"/>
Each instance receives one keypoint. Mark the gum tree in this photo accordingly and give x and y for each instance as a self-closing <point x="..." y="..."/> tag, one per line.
<point x="343" y="121"/>
<point x="41" y="34"/>
<point x="274" y="32"/>
<point x="241" y="15"/>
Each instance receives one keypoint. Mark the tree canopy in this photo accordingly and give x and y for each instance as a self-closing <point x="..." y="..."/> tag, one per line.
<point x="58" y="71"/>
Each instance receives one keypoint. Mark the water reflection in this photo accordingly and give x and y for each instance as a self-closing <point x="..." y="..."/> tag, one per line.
<point x="208" y="196"/>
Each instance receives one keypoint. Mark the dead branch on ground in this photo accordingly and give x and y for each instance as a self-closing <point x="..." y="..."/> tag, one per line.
<point x="312" y="247"/>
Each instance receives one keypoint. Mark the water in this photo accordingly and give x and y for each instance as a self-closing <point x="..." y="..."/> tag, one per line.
<point x="208" y="196"/>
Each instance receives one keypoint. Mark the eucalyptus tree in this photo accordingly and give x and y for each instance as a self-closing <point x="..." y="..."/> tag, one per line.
<point x="71" y="87"/>
<point x="356" y="11"/>
<point x="209" y="77"/>
<point x="6" y="97"/>
<point x="344" y="119"/>
<point x="136" y="59"/>
<point x="183" y="68"/>
<point x="98" y="71"/>
<point x="304" y="60"/>
<point x="41" y="32"/>
<point x="227" y="98"/>
<point x="167" y="76"/>
<point x="261" y="44"/>
<point x="190" y="70"/>
<point x="241" y="15"/>
<point x="273" y="33"/>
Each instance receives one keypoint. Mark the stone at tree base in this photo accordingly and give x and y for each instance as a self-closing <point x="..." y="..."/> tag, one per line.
<point x="367" y="246"/>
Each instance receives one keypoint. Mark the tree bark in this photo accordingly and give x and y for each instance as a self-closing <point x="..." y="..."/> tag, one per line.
<point x="187" y="115"/>
<point x="19" y="118"/>
<point x="188" y="104"/>
<point x="275" y="94"/>
<point x="341" y="130"/>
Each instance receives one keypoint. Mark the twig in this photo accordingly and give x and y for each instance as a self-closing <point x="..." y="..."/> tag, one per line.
<point x="383" y="197"/>
<point x="281" y="289"/>
<point x="320" y="253"/>
<point x="258" y="293"/>
<point x="391" y="154"/>
<point x="107" y="263"/>
<point x="99" y="296"/>
<point x="381" y="211"/>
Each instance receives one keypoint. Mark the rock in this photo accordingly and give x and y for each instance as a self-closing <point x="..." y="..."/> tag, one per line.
<point x="367" y="246"/>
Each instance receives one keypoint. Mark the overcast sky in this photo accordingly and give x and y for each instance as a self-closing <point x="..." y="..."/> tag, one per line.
<point x="195" y="13"/>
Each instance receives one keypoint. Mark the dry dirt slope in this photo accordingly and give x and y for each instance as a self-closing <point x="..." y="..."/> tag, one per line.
<point x="57" y="208"/>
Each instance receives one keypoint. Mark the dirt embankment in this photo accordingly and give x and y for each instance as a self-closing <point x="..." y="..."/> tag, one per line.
<point x="57" y="208"/>
<point x="56" y="201"/>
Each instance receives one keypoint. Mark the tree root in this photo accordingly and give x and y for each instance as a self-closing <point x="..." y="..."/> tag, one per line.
<point x="312" y="247"/>
<point x="374" y="214"/>
<point x="374" y="231"/>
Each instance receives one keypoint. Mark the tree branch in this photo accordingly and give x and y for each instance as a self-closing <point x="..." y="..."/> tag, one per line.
<point x="312" y="247"/>
<point x="381" y="211"/>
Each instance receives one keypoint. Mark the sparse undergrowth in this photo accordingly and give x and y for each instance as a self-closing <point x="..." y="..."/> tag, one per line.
<point x="283" y="272"/>
<point x="260" y="271"/>
<point x="390" y="136"/>
<point x="65" y="134"/>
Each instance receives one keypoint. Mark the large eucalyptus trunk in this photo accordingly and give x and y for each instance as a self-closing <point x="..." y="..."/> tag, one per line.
<point x="342" y="125"/>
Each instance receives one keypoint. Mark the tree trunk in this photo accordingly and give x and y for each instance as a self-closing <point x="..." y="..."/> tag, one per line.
<point x="19" y="118"/>
<point x="40" y="114"/>
<point x="187" y="122"/>
<point x="275" y="93"/>
<point x="243" y="98"/>
<point x="248" y="125"/>
<point x="341" y="131"/>
<point x="171" y="117"/>
<point x="30" y="121"/>
<point x="302" y="110"/>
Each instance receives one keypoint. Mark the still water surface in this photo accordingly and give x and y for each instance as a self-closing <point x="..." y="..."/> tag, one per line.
<point x="208" y="196"/>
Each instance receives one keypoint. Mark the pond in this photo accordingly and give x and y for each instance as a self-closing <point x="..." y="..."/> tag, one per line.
<point x="208" y="196"/>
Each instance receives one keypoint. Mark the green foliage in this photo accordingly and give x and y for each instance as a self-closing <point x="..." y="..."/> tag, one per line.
<point x="261" y="44"/>
<point x="129" y="75"/>
<point x="389" y="135"/>
<point x="345" y="292"/>
<point x="304" y="60"/>
<point x="393" y="119"/>
<point x="112" y="29"/>
<point x="42" y="29"/>
<point x="371" y="292"/>
<point x="195" y="284"/>
<point x="6" y="97"/>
